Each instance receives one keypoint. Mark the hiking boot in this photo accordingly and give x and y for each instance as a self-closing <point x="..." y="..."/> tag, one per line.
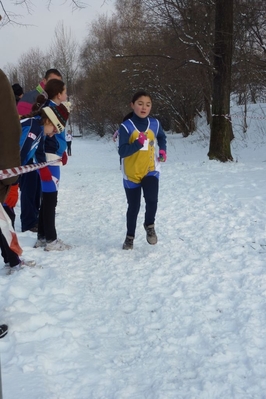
<point x="29" y="263"/>
<point x="40" y="243"/>
<point x="3" y="330"/>
<point x="56" y="245"/>
<point x="13" y="269"/>
<point x="151" y="235"/>
<point x="128" y="244"/>
<point x="19" y="266"/>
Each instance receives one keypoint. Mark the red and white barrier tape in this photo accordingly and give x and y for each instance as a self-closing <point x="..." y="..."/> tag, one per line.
<point x="19" y="170"/>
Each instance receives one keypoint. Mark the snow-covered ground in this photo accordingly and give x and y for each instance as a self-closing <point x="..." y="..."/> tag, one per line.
<point x="185" y="319"/>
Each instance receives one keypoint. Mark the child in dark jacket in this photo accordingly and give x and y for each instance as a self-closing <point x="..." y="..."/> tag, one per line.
<point x="30" y="185"/>
<point x="138" y="138"/>
<point x="33" y="145"/>
<point x="54" y="148"/>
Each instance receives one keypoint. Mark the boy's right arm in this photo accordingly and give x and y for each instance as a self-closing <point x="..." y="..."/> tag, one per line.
<point x="126" y="149"/>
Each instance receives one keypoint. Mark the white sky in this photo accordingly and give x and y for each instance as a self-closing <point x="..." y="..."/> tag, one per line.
<point x="181" y="319"/>
<point x="16" y="40"/>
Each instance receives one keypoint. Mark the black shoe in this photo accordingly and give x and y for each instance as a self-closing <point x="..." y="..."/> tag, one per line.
<point x="151" y="235"/>
<point x="128" y="244"/>
<point x="3" y="330"/>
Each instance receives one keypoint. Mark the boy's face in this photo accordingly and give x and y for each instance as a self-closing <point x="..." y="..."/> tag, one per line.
<point x="49" y="128"/>
<point x="142" y="106"/>
<point x="62" y="96"/>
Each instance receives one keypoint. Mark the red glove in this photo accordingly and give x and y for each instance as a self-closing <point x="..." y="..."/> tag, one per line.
<point x="12" y="197"/>
<point x="162" y="156"/>
<point x="45" y="174"/>
<point x="142" y="137"/>
<point x="64" y="158"/>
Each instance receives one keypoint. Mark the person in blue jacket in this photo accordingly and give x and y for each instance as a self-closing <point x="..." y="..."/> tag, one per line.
<point x="34" y="147"/>
<point x="54" y="148"/>
<point x="49" y="121"/>
<point x="138" y="139"/>
<point x="30" y="185"/>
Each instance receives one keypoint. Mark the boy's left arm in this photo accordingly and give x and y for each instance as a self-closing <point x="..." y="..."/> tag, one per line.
<point x="39" y="155"/>
<point x="161" y="139"/>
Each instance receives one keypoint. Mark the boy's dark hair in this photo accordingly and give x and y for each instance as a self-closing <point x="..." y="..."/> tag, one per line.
<point x="54" y="87"/>
<point x="139" y="94"/>
<point x="39" y="103"/>
<point x="51" y="89"/>
<point x="52" y="71"/>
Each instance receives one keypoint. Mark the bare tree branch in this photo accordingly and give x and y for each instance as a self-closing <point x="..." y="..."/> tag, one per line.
<point x="10" y="17"/>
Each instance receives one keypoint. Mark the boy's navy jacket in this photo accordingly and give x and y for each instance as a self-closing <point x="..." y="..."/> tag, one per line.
<point x="31" y="140"/>
<point x="140" y="160"/>
<point x="141" y="125"/>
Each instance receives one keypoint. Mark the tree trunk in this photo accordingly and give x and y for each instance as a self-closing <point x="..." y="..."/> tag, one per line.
<point x="221" y="128"/>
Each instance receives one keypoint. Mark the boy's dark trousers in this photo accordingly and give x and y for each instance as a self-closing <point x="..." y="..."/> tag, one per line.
<point x="150" y="187"/>
<point x="8" y="255"/>
<point x="69" y="148"/>
<point x="46" y="225"/>
<point x="30" y="197"/>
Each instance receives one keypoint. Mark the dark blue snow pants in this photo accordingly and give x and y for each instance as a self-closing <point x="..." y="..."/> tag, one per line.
<point x="30" y="198"/>
<point x="150" y="187"/>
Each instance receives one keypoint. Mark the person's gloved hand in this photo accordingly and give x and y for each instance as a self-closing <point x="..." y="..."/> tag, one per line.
<point x="12" y="196"/>
<point x="64" y="158"/>
<point x="162" y="156"/>
<point x="45" y="174"/>
<point x="142" y="137"/>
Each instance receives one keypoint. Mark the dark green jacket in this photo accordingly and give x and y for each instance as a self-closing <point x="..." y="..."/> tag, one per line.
<point x="10" y="131"/>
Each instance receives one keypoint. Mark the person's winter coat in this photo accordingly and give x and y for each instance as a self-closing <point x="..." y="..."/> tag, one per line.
<point x="10" y="131"/>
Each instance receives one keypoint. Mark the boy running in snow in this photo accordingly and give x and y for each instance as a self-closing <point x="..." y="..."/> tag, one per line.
<point x="138" y="139"/>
